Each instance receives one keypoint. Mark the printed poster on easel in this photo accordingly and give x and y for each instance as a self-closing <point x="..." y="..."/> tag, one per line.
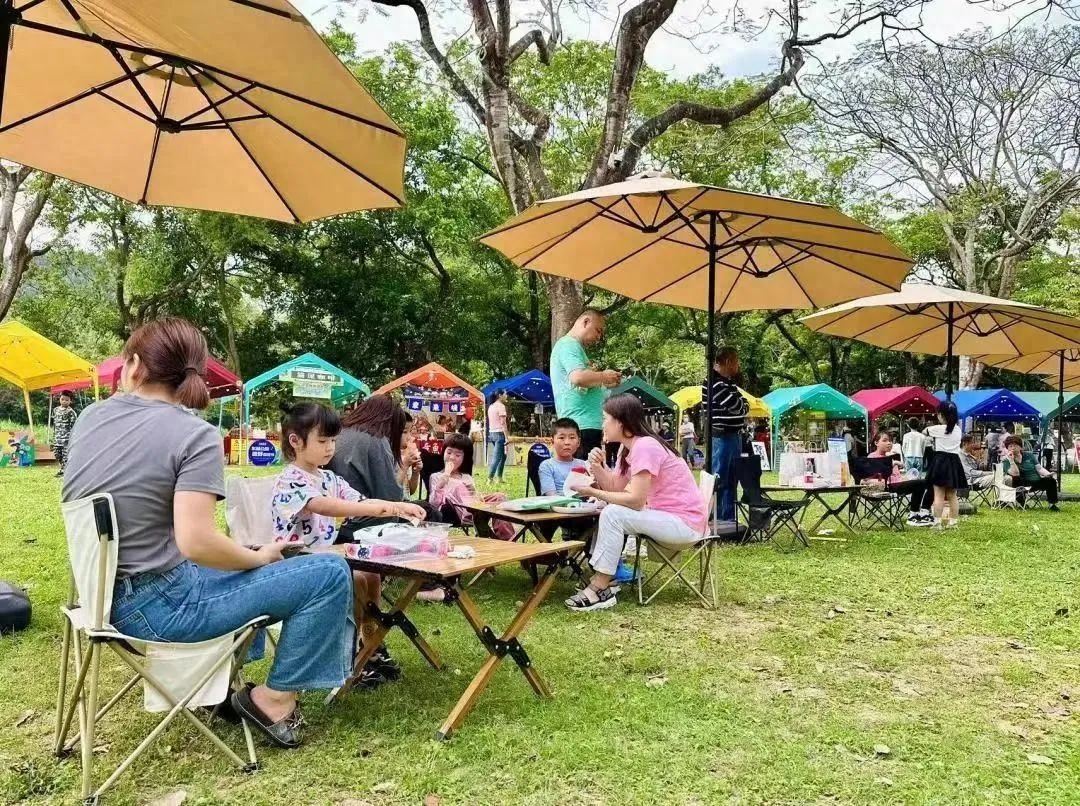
<point x="759" y="450"/>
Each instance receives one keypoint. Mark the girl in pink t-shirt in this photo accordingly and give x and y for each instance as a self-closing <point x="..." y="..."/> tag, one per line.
<point x="650" y="492"/>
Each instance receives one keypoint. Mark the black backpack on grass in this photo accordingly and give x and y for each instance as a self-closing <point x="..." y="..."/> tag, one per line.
<point x="14" y="608"/>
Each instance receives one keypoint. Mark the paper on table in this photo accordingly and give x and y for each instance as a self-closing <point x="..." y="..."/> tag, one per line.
<point x="575" y="481"/>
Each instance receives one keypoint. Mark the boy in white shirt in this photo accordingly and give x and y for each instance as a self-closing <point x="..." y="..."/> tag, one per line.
<point x="913" y="446"/>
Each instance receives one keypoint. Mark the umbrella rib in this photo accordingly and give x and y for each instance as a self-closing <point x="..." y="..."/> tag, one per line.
<point x="243" y="145"/>
<point x="217" y="125"/>
<point x="558" y="239"/>
<point x="164" y="54"/>
<point x="648" y="245"/>
<point x="798" y="282"/>
<point x="136" y="112"/>
<point x="135" y="81"/>
<point x="213" y="104"/>
<point x="850" y="270"/>
<point x="269" y="10"/>
<point x="326" y="152"/>
<point x="157" y="135"/>
<point x="96" y="90"/>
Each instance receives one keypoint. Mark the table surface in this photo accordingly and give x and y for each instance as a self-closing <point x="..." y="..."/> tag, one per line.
<point x="526" y="518"/>
<point x="489" y="554"/>
<point x="837" y="488"/>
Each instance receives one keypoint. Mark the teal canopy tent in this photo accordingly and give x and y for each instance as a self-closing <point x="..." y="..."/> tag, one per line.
<point x="819" y="397"/>
<point x="1047" y="405"/>
<point x="310" y="376"/>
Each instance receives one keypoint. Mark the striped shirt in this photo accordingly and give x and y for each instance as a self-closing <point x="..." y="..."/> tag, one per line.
<point x="729" y="407"/>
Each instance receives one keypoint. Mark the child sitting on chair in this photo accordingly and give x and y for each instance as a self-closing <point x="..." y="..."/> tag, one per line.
<point x="307" y="501"/>
<point x="554" y="471"/>
<point x="454" y="485"/>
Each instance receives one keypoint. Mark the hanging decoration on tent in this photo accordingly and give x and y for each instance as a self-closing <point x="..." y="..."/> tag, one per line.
<point x="456" y="407"/>
<point x="414" y="404"/>
<point x="312" y="382"/>
<point x="435" y="406"/>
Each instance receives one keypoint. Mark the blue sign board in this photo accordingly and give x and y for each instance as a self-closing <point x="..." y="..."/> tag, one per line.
<point x="262" y="452"/>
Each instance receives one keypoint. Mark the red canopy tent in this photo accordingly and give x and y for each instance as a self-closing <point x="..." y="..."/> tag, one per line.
<point x="902" y="401"/>
<point x="221" y="381"/>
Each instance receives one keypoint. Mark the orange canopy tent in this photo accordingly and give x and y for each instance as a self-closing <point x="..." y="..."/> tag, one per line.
<point x="432" y="376"/>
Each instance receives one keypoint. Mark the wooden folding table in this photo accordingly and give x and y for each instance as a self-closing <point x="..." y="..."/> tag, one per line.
<point x="449" y="572"/>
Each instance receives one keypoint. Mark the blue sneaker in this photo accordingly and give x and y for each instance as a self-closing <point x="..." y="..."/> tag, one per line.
<point x="624" y="573"/>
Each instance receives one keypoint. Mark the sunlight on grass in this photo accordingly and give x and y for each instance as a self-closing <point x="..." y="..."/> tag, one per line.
<point x="892" y="668"/>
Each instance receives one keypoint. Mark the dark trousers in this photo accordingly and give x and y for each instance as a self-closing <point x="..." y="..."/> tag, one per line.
<point x="590" y="438"/>
<point x="1048" y="485"/>
<point x="922" y="494"/>
<point x="725" y="450"/>
<point x="61" y="453"/>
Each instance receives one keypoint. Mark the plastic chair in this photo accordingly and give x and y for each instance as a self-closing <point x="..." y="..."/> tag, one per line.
<point x="1006" y="497"/>
<point x="176" y="677"/>
<point x="701" y="551"/>
<point x="538" y="454"/>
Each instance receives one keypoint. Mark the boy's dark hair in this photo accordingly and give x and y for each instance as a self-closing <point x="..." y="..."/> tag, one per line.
<point x="303" y="418"/>
<point x="568" y="424"/>
<point x="68" y="394"/>
<point x="1013" y="440"/>
<point x="967" y="439"/>
<point x="463" y="444"/>
<point x="913" y="424"/>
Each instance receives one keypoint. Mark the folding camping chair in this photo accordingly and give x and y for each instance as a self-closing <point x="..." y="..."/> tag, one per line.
<point x="1006" y="497"/>
<point x="701" y="551"/>
<point x="876" y="507"/>
<point x="538" y="453"/>
<point x="765" y="516"/>
<point x="176" y="677"/>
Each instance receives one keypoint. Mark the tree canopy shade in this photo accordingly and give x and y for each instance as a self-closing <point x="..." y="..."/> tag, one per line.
<point x="220" y="380"/>
<point x="1047" y="404"/>
<point x="431" y="376"/>
<point x="900" y="400"/>
<point x="991" y="404"/>
<point x="651" y="397"/>
<point x="533" y="386"/>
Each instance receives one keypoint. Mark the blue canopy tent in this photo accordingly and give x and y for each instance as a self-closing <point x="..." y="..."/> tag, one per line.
<point x="533" y="386"/>
<point x="312" y="377"/>
<point x="991" y="404"/>
<point x="819" y="397"/>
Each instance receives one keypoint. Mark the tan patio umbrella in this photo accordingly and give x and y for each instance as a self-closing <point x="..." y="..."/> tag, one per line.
<point x="659" y="239"/>
<point x="229" y="105"/>
<point x="1061" y="367"/>
<point x="943" y="321"/>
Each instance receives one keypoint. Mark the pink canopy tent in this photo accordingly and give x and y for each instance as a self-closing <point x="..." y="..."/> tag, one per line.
<point x="902" y="401"/>
<point x="221" y="381"/>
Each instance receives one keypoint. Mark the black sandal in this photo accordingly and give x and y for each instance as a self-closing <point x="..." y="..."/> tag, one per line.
<point x="284" y="733"/>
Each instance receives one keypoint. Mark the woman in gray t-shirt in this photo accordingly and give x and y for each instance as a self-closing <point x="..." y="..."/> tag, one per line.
<point x="178" y="578"/>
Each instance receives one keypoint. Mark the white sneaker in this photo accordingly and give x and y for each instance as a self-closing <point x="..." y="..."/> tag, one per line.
<point x="918" y="521"/>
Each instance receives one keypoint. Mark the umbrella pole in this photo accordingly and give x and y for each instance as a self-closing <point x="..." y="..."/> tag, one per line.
<point x="710" y="346"/>
<point x="949" y="356"/>
<point x="1061" y="413"/>
<point x="8" y="17"/>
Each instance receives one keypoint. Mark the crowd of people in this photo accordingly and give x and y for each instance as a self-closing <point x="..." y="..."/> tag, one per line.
<point x="180" y="579"/>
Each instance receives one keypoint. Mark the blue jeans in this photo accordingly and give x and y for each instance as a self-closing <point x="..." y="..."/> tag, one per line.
<point x="498" y="455"/>
<point x="311" y="596"/>
<point x="725" y="450"/>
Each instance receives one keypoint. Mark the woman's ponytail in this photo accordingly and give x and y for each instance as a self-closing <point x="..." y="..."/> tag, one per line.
<point x="173" y="352"/>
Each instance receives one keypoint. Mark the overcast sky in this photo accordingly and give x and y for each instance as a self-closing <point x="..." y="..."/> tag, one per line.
<point x="377" y="26"/>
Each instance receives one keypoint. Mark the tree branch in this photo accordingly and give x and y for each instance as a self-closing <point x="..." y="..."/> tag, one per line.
<point x="532" y="37"/>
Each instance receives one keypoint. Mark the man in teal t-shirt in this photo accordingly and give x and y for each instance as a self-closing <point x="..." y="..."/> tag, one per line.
<point x="578" y="388"/>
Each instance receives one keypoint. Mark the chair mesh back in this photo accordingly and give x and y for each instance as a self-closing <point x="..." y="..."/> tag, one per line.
<point x="538" y="454"/>
<point x="247" y="510"/>
<point x="90" y="524"/>
<point x="748" y="474"/>
<point x="707" y="489"/>
<point x="865" y="467"/>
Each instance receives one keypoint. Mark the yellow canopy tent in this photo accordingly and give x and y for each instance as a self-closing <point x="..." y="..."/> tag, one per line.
<point x="31" y="361"/>
<point x="690" y="396"/>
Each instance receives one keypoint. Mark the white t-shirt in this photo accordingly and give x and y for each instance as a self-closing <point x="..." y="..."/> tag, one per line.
<point x="945" y="443"/>
<point x="914" y="444"/>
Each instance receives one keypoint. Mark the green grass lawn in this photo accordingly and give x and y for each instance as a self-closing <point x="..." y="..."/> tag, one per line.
<point x="954" y="654"/>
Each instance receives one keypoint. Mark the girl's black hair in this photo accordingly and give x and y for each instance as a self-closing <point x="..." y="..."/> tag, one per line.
<point x="947" y="412"/>
<point x="303" y="418"/>
<point x="630" y="414"/>
<point x="463" y="444"/>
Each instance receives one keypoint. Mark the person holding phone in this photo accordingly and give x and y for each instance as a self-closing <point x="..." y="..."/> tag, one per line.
<point x="577" y="385"/>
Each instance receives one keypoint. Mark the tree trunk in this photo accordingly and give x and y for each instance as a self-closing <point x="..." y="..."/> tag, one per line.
<point x="970" y="373"/>
<point x="15" y="251"/>
<point x="567" y="302"/>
